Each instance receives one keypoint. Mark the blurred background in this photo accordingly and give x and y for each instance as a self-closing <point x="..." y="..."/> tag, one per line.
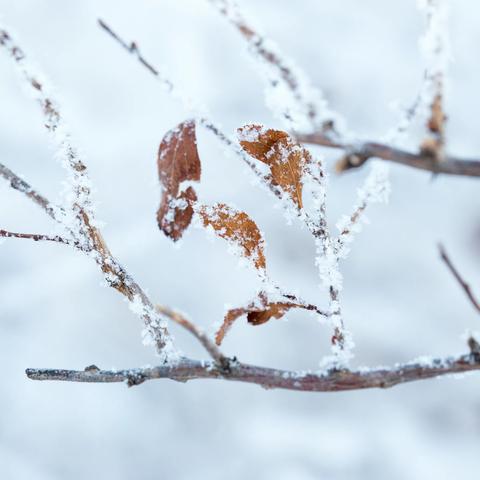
<point x="399" y="300"/>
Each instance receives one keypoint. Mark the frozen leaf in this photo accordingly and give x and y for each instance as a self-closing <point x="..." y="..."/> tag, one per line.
<point x="258" y="312"/>
<point x="285" y="157"/>
<point x="178" y="162"/>
<point x="238" y="228"/>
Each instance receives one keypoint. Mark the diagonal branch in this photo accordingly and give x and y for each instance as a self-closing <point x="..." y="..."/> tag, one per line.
<point x="307" y="104"/>
<point x="201" y="336"/>
<point x="54" y="122"/>
<point x="458" y="277"/>
<point x="328" y="381"/>
<point x="22" y="186"/>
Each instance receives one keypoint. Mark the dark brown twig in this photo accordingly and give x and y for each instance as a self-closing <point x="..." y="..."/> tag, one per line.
<point x="357" y="155"/>
<point x="458" y="277"/>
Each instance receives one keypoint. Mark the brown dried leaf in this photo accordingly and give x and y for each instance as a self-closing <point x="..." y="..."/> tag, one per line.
<point x="238" y="228"/>
<point x="285" y="157"/>
<point x="257" y="314"/>
<point x="178" y="161"/>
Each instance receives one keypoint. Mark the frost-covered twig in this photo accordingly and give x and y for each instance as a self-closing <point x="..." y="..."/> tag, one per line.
<point x="79" y="196"/>
<point x="76" y="216"/>
<point x="324" y="381"/>
<point x="458" y="277"/>
<point x="290" y="94"/>
<point x="375" y="189"/>
<point x="199" y="115"/>
<point x="329" y="270"/>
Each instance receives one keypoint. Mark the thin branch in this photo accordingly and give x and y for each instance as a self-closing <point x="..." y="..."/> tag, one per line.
<point x="329" y="381"/>
<point x="21" y="185"/>
<point x="133" y="49"/>
<point x="458" y="277"/>
<point x="36" y="237"/>
<point x="86" y="236"/>
<point x="201" y="336"/>
<point x="308" y="102"/>
<point x="53" y="122"/>
<point x="375" y="189"/>
<point x="357" y="154"/>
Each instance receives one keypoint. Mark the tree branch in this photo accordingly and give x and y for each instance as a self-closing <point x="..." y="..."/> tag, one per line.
<point x="309" y="101"/>
<point x="201" y="336"/>
<point x="357" y="155"/>
<point x="36" y="237"/>
<point x="21" y="185"/>
<point x="329" y="381"/>
<point x="133" y="49"/>
<point x="458" y="277"/>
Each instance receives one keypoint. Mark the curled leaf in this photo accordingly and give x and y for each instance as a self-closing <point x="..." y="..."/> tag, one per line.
<point x="236" y="227"/>
<point x="178" y="162"/>
<point x="285" y="157"/>
<point x="259" y="312"/>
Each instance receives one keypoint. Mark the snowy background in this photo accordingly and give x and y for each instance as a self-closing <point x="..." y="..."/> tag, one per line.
<point x="399" y="300"/>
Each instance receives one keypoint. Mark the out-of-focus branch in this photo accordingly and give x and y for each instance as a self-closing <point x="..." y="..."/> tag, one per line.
<point x="328" y="381"/>
<point x="308" y="102"/>
<point x="36" y="237"/>
<point x="458" y="277"/>
<point x="357" y="154"/>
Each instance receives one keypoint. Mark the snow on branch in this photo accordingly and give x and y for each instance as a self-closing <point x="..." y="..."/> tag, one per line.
<point x="292" y="170"/>
<point x="198" y="113"/>
<point x="333" y="380"/>
<point x="289" y="93"/>
<point x="78" y="194"/>
<point x="76" y="215"/>
<point x="376" y="189"/>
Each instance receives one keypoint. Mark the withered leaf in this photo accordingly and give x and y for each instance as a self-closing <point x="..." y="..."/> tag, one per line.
<point x="258" y="312"/>
<point x="285" y="157"/>
<point x="238" y="228"/>
<point x="178" y="161"/>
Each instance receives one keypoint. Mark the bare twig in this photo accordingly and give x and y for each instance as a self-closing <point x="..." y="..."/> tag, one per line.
<point x="309" y="101"/>
<point x="21" y="185"/>
<point x="357" y="155"/>
<point x="458" y="277"/>
<point x="329" y="381"/>
<point x="201" y="336"/>
<point x="36" y="237"/>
